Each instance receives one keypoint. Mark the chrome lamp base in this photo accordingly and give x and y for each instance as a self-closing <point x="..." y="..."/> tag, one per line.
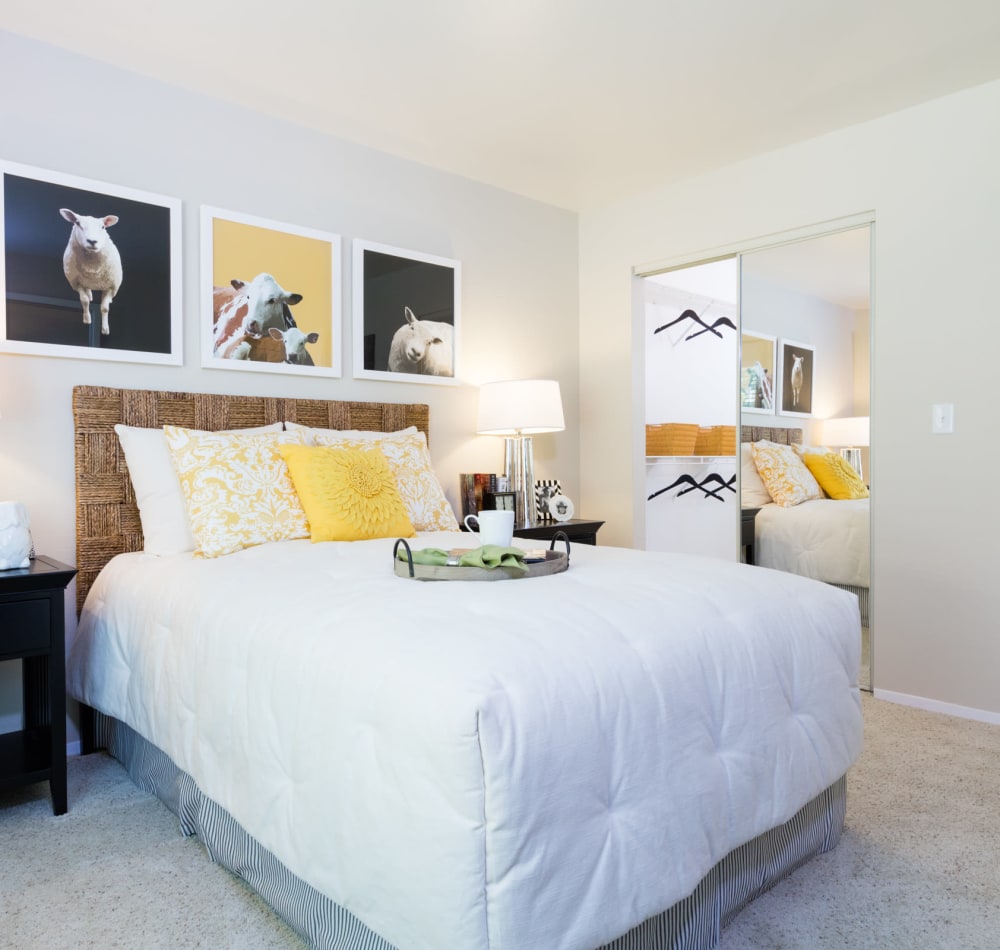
<point x="853" y="458"/>
<point x="519" y="466"/>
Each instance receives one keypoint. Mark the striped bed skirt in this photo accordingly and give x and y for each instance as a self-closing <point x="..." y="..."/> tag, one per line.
<point x="862" y="593"/>
<point x="694" y="923"/>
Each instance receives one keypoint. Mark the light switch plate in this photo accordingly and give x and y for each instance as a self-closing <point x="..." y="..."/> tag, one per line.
<point x="942" y="418"/>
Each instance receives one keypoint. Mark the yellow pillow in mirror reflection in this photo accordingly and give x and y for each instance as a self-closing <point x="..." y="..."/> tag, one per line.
<point x="835" y="476"/>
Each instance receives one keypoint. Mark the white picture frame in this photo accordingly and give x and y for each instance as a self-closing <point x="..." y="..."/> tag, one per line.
<point x="397" y="289"/>
<point x="795" y="397"/>
<point x="758" y="372"/>
<point x="66" y="238"/>
<point x="292" y="278"/>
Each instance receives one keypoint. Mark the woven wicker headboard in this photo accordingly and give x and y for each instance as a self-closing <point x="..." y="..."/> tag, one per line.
<point x="107" y="519"/>
<point x="771" y="434"/>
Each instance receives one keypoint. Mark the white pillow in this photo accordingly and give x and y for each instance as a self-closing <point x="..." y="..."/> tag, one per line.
<point x="358" y="435"/>
<point x="753" y="491"/>
<point x="810" y="449"/>
<point x="162" y="511"/>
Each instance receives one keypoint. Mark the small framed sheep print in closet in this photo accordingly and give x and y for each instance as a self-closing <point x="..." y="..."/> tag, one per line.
<point x="798" y="369"/>
<point x="92" y="270"/>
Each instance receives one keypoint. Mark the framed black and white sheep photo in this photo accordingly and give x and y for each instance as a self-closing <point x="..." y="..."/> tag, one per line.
<point x="271" y="296"/>
<point x="91" y="270"/>
<point x="406" y="315"/>
<point x="798" y="370"/>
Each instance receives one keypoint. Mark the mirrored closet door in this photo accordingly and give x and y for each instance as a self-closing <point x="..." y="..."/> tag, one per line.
<point x="805" y="329"/>
<point x="770" y="345"/>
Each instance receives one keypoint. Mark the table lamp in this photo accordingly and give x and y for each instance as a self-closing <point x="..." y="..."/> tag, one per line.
<point x="849" y="434"/>
<point x="518" y="409"/>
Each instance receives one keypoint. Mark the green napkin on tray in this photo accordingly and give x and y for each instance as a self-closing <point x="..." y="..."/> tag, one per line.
<point x="488" y="556"/>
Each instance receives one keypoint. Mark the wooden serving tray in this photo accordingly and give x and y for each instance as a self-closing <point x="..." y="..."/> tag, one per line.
<point x="554" y="562"/>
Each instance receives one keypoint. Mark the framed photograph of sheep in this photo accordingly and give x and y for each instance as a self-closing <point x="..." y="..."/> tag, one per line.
<point x="271" y="296"/>
<point x="406" y="315"/>
<point x="758" y="359"/>
<point x="91" y="270"/>
<point x="798" y="371"/>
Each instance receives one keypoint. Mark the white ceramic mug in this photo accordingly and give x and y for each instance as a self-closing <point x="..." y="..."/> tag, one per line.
<point x="494" y="527"/>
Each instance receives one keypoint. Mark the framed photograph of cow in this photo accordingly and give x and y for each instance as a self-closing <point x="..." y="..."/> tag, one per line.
<point x="271" y="296"/>
<point x="91" y="270"/>
<point x="406" y="315"/>
<point x="798" y="373"/>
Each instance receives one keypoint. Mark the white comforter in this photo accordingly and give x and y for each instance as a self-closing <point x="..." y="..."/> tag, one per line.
<point x="824" y="539"/>
<point x="538" y="763"/>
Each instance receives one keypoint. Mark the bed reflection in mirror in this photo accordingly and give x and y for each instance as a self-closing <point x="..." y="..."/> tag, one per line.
<point x="805" y="311"/>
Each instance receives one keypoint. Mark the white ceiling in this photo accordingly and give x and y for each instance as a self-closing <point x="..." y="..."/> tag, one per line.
<point x="834" y="267"/>
<point x="571" y="102"/>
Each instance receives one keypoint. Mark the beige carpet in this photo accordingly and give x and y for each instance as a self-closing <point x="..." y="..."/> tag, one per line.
<point x="918" y="866"/>
<point x="115" y="872"/>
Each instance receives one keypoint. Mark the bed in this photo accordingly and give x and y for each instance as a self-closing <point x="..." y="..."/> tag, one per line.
<point x="825" y="539"/>
<point x="622" y="755"/>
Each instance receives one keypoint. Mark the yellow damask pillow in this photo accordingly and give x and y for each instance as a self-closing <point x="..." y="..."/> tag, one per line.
<point x="410" y="463"/>
<point x="835" y="476"/>
<point x="236" y="488"/>
<point x="347" y="494"/>
<point x="785" y="475"/>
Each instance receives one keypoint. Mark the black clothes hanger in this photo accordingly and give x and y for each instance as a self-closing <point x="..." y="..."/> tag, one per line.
<point x="691" y="315"/>
<point x="712" y="478"/>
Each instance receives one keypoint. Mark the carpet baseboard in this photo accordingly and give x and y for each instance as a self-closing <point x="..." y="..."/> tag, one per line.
<point x="935" y="705"/>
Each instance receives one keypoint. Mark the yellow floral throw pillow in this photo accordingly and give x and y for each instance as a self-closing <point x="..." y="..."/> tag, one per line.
<point x="236" y="488"/>
<point x="410" y="463"/>
<point x="785" y="475"/>
<point x="347" y="494"/>
<point x="835" y="476"/>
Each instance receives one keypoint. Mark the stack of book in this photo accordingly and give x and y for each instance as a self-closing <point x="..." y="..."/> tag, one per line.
<point x="471" y="488"/>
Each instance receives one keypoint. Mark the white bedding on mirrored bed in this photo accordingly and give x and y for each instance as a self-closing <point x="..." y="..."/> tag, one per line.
<point x="824" y="539"/>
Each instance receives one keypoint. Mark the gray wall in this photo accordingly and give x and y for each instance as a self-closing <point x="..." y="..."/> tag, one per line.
<point x="787" y="314"/>
<point x="519" y="266"/>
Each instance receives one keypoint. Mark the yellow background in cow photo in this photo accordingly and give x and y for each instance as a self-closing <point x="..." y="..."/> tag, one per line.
<point x="301" y="265"/>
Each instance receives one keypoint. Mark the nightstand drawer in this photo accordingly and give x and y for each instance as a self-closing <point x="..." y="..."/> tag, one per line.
<point x="24" y="626"/>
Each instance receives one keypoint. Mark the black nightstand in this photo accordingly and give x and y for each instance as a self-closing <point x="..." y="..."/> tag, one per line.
<point x="32" y="629"/>
<point x="577" y="530"/>
<point x="749" y="515"/>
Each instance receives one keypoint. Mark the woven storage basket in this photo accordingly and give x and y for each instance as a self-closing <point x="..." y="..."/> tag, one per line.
<point x="716" y="440"/>
<point x="671" y="438"/>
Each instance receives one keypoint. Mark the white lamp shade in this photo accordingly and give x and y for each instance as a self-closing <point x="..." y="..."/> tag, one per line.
<point x="848" y="431"/>
<point x="520" y="407"/>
